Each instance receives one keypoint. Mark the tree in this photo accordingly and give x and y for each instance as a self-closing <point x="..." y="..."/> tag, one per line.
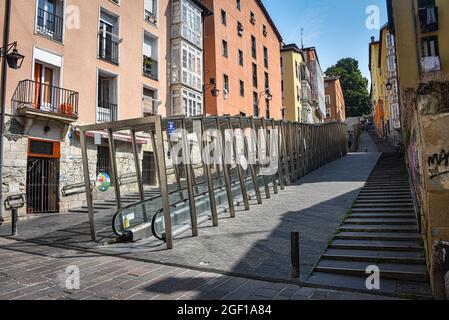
<point x="355" y="86"/>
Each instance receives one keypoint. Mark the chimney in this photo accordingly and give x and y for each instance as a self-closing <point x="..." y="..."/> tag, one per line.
<point x="373" y="39"/>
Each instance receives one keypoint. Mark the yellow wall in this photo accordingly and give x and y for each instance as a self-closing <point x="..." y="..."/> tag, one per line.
<point x="291" y="85"/>
<point x="408" y="41"/>
<point x="383" y="68"/>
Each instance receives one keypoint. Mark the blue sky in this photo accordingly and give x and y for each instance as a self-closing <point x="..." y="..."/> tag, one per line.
<point x="335" y="27"/>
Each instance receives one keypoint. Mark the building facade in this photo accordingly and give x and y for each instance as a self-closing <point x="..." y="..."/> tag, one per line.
<point x="335" y="100"/>
<point x="377" y="90"/>
<point x="242" y="51"/>
<point x="317" y="81"/>
<point x="292" y="64"/>
<point x="421" y="30"/>
<point x="92" y="62"/>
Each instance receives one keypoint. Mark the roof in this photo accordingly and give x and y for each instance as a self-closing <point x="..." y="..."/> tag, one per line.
<point x="292" y="47"/>
<point x="312" y="49"/>
<point x="332" y="78"/>
<point x="202" y="6"/>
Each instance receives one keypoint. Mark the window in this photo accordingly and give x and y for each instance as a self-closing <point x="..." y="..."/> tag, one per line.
<point x="108" y="39"/>
<point x="187" y="65"/>
<point x="298" y="73"/>
<point x="241" y="58"/>
<point x="50" y="21"/>
<point x="267" y="109"/>
<point x="267" y="81"/>
<point x="223" y="18"/>
<point x="430" y="47"/>
<point x="255" y="75"/>
<point x="239" y="5"/>
<point x="426" y="3"/>
<point x="265" y="56"/>
<point x="252" y="17"/>
<point x="242" y="88"/>
<point x="150" y="104"/>
<point x="191" y="103"/>
<point x="240" y="29"/>
<point x="187" y="21"/>
<point x="225" y="87"/>
<point x="253" y="47"/>
<point x="224" y="48"/>
<point x="256" y="104"/>
<point x="150" y="56"/>
<point x="151" y="11"/>
<point x="264" y="30"/>
<point x="298" y="93"/>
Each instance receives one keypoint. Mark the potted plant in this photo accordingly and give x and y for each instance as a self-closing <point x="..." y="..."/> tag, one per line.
<point x="148" y="62"/>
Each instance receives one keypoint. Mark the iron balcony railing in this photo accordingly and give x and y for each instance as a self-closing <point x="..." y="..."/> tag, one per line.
<point x="49" y="24"/>
<point x="108" y="49"/>
<point x="149" y="67"/>
<point x="45" y="98"/>
<point x="150" y="17"/>
<point x="106" y="112"/>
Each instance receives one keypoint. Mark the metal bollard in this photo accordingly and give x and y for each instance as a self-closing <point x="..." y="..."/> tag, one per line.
<point x="295" y="254"/>
<point x="14" y="221"/>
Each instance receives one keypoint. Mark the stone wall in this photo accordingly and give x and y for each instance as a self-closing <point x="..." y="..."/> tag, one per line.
<point x="426" y="135"/>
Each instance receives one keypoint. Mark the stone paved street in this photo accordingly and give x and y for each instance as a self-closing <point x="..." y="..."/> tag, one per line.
<point x="33" y="272"/>
<point x="254" y="244"/>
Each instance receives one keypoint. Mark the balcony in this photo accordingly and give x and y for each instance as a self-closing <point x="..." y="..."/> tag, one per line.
<point x="49" y="25"/>
<point x="108" y="49"/>
<point x="150" y="106"/>
<point x="429" y="19"/>
<point x="430" y="64"/>
<point x="106" y="112"/>
<point x="38" y="100"/>
<point x="150" y="68"/>
<point x="150" y="17"/>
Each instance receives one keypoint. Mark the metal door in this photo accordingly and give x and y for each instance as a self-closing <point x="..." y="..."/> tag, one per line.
<point x="42" y="185"/>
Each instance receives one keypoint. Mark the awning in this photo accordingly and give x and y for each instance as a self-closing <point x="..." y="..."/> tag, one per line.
<point x="119" y="136"/>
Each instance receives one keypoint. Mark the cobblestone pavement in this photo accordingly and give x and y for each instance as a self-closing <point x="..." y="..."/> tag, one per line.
<point x="366" y="143"/>
<point x="33" y="272"/>
<point x="256" y="244"/>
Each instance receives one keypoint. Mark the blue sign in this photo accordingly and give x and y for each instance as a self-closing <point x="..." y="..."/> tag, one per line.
<point x="171" y="128"/>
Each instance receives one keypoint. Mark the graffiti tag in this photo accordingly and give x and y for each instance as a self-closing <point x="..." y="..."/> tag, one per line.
<point x="438" y="164"/>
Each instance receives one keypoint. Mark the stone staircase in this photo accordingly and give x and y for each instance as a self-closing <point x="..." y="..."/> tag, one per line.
<point x="381" y="230"/>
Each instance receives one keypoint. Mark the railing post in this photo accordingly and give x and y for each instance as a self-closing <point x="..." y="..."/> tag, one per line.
<point x="251" y="166"/>
<point x="114" y="171"/>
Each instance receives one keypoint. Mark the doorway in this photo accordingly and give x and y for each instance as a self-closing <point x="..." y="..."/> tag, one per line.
<point x="148" y="169"/>
<point x="42" y="184"/>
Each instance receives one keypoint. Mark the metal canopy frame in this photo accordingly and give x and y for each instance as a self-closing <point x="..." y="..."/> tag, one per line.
<point x="302" y="148"/>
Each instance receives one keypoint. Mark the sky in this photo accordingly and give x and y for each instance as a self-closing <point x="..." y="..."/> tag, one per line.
<point x="337" y="28"/>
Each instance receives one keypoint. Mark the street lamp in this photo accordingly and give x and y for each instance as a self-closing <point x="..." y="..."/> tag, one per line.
<point x="389" y="85"/>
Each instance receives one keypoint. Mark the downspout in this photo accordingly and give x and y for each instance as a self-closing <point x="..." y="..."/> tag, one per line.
<point x="203" y="18"/>
<point x="4" y="76"/>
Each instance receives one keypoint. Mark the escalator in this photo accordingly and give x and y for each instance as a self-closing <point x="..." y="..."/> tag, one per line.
<point x="145" y="220"/>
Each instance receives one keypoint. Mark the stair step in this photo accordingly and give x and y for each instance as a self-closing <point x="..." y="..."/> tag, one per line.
<point x="378" y="245"/>
<point x="385" y="273"/>
<point x="381" y="199"/>
<point x="383" y="210"/>
<point x="371" y="204"/>
<point x="356" y="228"/>
<point x="380" y="215"/>
<point x="366" y="255"/>
<point x="378" y="236"/>
<point x="400" y="288"/>
<point x="381" y="221"/>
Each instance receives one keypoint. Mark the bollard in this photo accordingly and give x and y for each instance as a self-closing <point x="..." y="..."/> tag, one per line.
<point x="295" y="254"/>
<point x="13" y="203"/>
<point x="14" y="220"/>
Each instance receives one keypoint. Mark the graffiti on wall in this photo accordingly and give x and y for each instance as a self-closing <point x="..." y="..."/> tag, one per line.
<point x="438" y="164"/>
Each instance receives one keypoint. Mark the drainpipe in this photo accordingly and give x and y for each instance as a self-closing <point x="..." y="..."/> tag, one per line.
<point x="4" y="76"/>
<point x="203" y="18"/>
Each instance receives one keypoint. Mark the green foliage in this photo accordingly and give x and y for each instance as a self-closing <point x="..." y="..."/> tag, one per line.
<point x="355" y="86"/>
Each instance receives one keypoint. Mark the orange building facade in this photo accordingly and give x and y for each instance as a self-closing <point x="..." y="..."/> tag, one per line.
<point x="335" y="100"/>
<point x="242" y="60"/>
